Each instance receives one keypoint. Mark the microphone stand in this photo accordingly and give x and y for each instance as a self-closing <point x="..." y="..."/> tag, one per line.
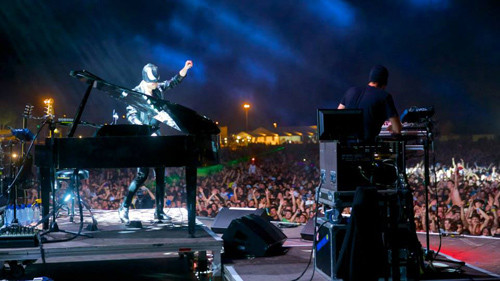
<point x="427" y="185"/>
<point x="54" y="227"/>
<point x="15" y="175"/>
<point x="429" y="147"/>
<point x="14" y="222"/>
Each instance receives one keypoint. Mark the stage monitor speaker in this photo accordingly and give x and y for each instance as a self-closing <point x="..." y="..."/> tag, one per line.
<point x="252" y="235"/>
<point x="226" y="215"/>
<point x="307" y="231"/>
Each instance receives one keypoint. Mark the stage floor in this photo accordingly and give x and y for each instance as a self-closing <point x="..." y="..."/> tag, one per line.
<point x="478" y="252"/>
<point x="152" y="253"/>
<point x="293" y="263"/>
<point x="114" y="242"/>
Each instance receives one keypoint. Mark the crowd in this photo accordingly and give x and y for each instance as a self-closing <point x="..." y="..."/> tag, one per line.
<point x="465" y="189"/>
<point x="282" y="181"/>
<point x="463" y="198"/>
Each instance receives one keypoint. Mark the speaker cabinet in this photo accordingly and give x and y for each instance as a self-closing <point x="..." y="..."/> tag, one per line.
<point x="330" y="238"/>
<point x="307" y="231"/>
<point x="253" y="235"/>
<point x="226" y="215"/>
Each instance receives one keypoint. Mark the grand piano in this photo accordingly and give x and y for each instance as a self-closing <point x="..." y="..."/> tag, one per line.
<point x="198" y="146"/>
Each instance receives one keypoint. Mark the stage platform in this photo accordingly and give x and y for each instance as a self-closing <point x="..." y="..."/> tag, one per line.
<point x="152" y="253"/>
<point x="478" y="252"/>
<point x="293" y="263"/>
<point x="114" y="241"/>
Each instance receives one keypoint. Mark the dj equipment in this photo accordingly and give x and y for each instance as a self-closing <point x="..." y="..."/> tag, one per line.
<point x="199" y="147"/>
<point x="343" y="168"/>
<point x="337" y="173"/>
<point x="337" y="128"/>
<point x="19" y="236"/>
<point x="417" y="114"/>
<point x="410" y="131"/>
<point x="340" y="124"/>
<point x="346" y="164"/>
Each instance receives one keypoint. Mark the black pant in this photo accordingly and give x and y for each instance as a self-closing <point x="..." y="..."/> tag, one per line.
<point x="142" y="175"/>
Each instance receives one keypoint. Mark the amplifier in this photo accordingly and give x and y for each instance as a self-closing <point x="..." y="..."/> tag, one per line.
<point x="341" y="169"/>
<point x="328" y="163"/>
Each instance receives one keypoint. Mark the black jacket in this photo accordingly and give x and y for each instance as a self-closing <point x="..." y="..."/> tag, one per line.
<point x="141" y="118"/>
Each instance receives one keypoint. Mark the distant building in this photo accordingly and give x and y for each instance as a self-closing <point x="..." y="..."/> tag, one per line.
<point x="297" y="134"/>
<point x="278" y="135"/>
<point x="242" y="138"/>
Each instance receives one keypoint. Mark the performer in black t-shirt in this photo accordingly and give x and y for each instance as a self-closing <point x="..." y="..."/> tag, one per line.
<point x="377" y="104"/>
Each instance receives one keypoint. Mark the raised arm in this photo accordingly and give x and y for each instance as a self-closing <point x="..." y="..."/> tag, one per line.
<point x="187" y="65"/>
<point x="224" y="179"/>
<point x="235" y="193"/>
<point x="150" y="194"/>
<point x="301" y="205"/>
<point x="177" y="79"/>
<point x="463" y="217"/>
<point x="255" y="198"/>
<point x="202" y="192"/>
<point x="280" y="208"/>
<point x="294" y="205"/>
<point x="198" y="205"/>
<point x="486" y="218"/>
<point x="268" y="201"/>
<point x="455" y="195"/>
<point x="294" y="216"/>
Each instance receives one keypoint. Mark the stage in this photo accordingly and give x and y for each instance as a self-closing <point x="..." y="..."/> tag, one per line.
<point x="481" y="256"/>
<point x="478" y="252"/>
<point x="114" y="241"/>
<point x="166" y="252"/>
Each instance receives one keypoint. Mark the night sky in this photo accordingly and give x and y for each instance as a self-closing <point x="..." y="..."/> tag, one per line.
<point x="285" y="58"/>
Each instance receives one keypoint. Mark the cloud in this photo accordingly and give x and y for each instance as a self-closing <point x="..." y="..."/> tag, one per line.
<point x="252" y="34"/>
<point x="338" y="13"/>
<point x="434" y="4"/>
<point x="171" y="58"/>
<point x="258" y="71"/>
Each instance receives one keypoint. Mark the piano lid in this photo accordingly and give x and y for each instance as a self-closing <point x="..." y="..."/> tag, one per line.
<point x="174" y="115"/>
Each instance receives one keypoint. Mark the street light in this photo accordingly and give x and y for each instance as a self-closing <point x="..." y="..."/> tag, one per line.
<point x="246" y="106"/>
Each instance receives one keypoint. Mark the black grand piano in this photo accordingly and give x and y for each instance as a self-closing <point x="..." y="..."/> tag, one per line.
<point x="198" y="146"/>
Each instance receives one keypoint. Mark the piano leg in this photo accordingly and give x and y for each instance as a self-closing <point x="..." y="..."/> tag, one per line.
<point x="45" y="183"/>
<point x="191" y="198"/>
